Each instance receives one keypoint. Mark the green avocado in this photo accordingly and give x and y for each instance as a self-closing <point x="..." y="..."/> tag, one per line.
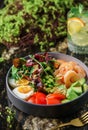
<point x="71" y="94"/>
<point x="79" y="82"/>
<point x="65" y="100"/>
<point x="76" y="89"/>
<point x="82" y="81"/>
<point x="85" y="87"/>
<point x="75" y="84"/>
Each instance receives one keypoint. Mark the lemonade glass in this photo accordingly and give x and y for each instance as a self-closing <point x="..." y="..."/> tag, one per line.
<point x="77" y="27"/>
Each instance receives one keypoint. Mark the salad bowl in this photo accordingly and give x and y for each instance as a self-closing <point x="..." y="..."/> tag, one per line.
<point x="50" y="110"/>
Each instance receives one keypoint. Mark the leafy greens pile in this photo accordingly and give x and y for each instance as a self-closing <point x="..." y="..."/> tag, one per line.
<point x="39" y="22"/>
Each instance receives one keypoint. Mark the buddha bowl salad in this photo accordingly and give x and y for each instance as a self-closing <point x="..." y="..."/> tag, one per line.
<point x="42" y="79"/>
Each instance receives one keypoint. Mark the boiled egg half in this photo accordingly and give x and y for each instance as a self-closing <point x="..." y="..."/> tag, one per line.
<point x="15" y="83"/>
<point x="23" y="91"/>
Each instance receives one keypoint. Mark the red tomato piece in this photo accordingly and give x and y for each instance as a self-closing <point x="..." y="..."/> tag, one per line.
<point x="32" y="99"/>
<point x="37" y="98"/>
<point x="40" y="98"/>
<point x="58" y="96"/>
<point x="51" y="101"/>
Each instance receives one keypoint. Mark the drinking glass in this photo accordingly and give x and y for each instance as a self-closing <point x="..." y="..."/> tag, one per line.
<point x="77" y="30"/>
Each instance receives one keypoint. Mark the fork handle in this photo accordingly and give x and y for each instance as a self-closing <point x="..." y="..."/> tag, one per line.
<point x="64" y="124"/>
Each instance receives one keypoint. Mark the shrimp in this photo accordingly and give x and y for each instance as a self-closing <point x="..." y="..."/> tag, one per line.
<point x="73" y="63"/>
<point x="58" y="62"/>
<point x="79" y="70"/>
<point x="59" y="79"/>
<point x="56" y="72"/>
<point x="70" y="77"/>
<point x="65" y="67"/>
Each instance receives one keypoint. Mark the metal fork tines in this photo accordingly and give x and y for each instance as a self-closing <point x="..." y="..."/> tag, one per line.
<point x="78" y="122"/>
<point x="84" y="118"/>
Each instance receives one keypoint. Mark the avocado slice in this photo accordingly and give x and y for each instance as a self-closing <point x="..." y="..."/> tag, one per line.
<point x="76" y="87"/>
<point x="71" y="94"/>
<point x="77" y="90"/>
<point x="82" y="81"/>
<point x="75" y="84"/>
<point x="85" y="87"/>
<point x="65" y="100"/>
<point x="79" y="82"/>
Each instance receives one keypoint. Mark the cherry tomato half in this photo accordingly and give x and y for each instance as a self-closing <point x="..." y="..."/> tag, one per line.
<point x="38" y="98"/>
<point x="54" y="98"/>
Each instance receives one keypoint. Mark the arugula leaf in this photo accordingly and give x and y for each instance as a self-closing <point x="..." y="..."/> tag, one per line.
<point x="14" y="72"/>
<point x="39" y="64"/>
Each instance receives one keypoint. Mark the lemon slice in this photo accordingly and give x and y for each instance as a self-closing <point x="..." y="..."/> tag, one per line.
<point x="74" y="25"/>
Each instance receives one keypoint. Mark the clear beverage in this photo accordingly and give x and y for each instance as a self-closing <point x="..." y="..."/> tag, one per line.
<point x="77" y="26"/>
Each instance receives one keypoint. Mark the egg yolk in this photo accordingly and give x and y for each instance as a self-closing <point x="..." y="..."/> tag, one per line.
<point x="24" y="89"/>
<point x="22" y="81"/>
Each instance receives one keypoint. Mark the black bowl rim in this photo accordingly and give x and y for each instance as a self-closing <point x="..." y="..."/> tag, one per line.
<point x="44" y="105"/>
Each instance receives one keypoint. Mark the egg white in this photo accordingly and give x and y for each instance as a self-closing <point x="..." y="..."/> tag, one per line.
<point x="22" y="95"/>
<point x="15" y="83"/>
<point x="12" y="82"/>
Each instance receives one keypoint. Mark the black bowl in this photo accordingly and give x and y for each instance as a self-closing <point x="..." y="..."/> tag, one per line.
<point x="50" y="111"/>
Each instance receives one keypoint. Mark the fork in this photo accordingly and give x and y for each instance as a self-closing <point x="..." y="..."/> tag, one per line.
<point x="78" y="122"/>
